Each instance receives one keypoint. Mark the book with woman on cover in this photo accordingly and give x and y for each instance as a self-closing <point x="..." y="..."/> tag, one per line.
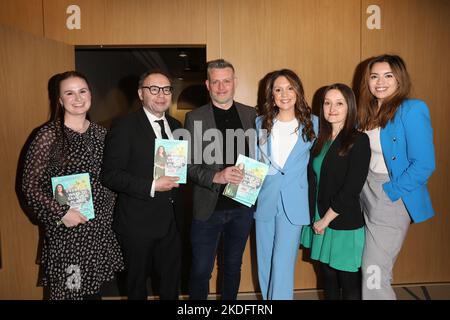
<point x="254" y="174"/>
<point x="171" y="159"/>
<point x="75" y="191"/>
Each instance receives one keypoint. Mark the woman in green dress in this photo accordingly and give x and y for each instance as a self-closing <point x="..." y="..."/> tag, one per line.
<point x="337" y="171"/>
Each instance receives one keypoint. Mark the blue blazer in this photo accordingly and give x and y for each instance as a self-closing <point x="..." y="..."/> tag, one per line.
<point x="408" y="150"/>
<point x="285" y="189"/>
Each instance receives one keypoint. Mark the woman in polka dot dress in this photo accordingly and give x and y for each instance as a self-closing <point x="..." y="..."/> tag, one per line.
<point x="78" y="255"/>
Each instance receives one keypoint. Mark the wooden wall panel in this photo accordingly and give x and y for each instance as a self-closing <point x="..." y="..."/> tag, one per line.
<point x="419" y="32"/>
<point x="213" y="28"/>
<point x="24" y="15"/>
<point x="317" y="39"/>
<point x="136" y="22"/>
<point x="94" y="24"/>
<point x="322" y="40"/>
<point x="27" y="62"/>
<point x="212" y="25"/>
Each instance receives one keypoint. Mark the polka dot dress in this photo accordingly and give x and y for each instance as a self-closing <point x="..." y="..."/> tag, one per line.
<point x="76" y="261"/>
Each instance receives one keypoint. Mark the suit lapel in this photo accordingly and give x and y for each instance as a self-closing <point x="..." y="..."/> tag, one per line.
<point x="299" y="148"/>
<point x="209" y="122"/>
<point x="386" y="135"/>
<point x="145" y="125"/>
<point x="330" y="155"/>
<point x="208" y="118"/>
<point x="173" y="124"/>
<point x="248" y="122"/>
<point x="245" y="120"/>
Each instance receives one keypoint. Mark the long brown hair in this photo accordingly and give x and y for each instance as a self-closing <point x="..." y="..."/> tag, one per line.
<point x="62" y="141"/>
<point x="348" y="132"/>
<point x="268" y="110"/>
<point x="54" y="98"/>
<point x="369" y="115"/>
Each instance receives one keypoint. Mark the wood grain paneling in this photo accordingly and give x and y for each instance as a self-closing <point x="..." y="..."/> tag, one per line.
<point x="323" y="41"/>
<point x="24" y="15"/>
<point x="137" y="22"/>
<point x="317" y="39"/>
<point x="213" y="29"/>
<point x="27" y="63"/>
<point x="419" y="32"/>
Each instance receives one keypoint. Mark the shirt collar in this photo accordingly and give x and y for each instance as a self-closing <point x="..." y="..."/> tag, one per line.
<point x="152" y="118"/>
<point x="220" y="110"/>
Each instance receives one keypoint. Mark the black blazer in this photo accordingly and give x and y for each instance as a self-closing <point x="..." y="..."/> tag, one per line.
<point x="128" y="170"/>
<point x="341" y="181"/>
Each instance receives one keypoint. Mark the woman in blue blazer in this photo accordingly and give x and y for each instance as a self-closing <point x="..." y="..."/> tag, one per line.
<point x="285" y="135"/>
<point x="395" y="193"/>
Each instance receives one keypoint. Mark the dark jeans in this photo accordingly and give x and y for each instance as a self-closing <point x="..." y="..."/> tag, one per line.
<point x="205" y="235"/>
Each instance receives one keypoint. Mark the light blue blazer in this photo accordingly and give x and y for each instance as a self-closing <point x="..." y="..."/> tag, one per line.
<point x="408" y="150"/>
<point x="285" y="189"/>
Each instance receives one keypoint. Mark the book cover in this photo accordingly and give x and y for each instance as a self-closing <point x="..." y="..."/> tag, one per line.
<point x="171" y="159"/>
<point x="254" y="174"/>
<point x="75" y="191"/>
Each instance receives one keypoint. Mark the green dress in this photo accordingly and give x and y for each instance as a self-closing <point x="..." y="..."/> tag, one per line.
<point x="340" y="249"/>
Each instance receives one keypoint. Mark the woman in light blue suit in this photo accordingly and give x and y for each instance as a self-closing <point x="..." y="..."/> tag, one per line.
<point x="402" y="161"/>
<point x="285" y="135"/>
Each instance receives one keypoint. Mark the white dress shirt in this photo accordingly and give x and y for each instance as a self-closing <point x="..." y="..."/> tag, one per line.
<point x="284" y="138"/>
<point x="155" y="125"/>
<point x="157" y="129"/>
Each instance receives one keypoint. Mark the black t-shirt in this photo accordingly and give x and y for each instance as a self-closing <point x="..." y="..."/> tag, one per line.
<point x="228" y="119"/>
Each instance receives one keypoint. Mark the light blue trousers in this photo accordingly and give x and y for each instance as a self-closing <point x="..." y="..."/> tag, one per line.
<point x="277" y="244"/>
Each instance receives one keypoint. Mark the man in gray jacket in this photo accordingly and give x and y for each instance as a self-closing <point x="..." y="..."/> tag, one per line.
<point x="217" y="137"/>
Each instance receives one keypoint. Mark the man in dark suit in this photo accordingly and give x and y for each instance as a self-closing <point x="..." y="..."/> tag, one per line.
<point x="147" y="216"/>
<point x="213" y="213"/>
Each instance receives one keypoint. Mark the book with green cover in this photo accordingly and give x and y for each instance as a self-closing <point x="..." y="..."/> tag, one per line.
<point x="171" y="159"/>
<point x="75" y="191"/>
<point x="254" y="174"/>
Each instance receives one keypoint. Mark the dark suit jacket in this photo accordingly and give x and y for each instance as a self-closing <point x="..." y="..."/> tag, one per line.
<point x="205" y="192"/>
<point x="128" y="170"/>
<point x="341" y="181"/>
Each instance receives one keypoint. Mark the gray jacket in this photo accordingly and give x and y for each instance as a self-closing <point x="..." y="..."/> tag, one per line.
<point x="201" y="171"/>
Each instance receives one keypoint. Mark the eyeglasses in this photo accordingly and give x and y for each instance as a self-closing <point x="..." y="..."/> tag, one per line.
<point x="154" y="90"/>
